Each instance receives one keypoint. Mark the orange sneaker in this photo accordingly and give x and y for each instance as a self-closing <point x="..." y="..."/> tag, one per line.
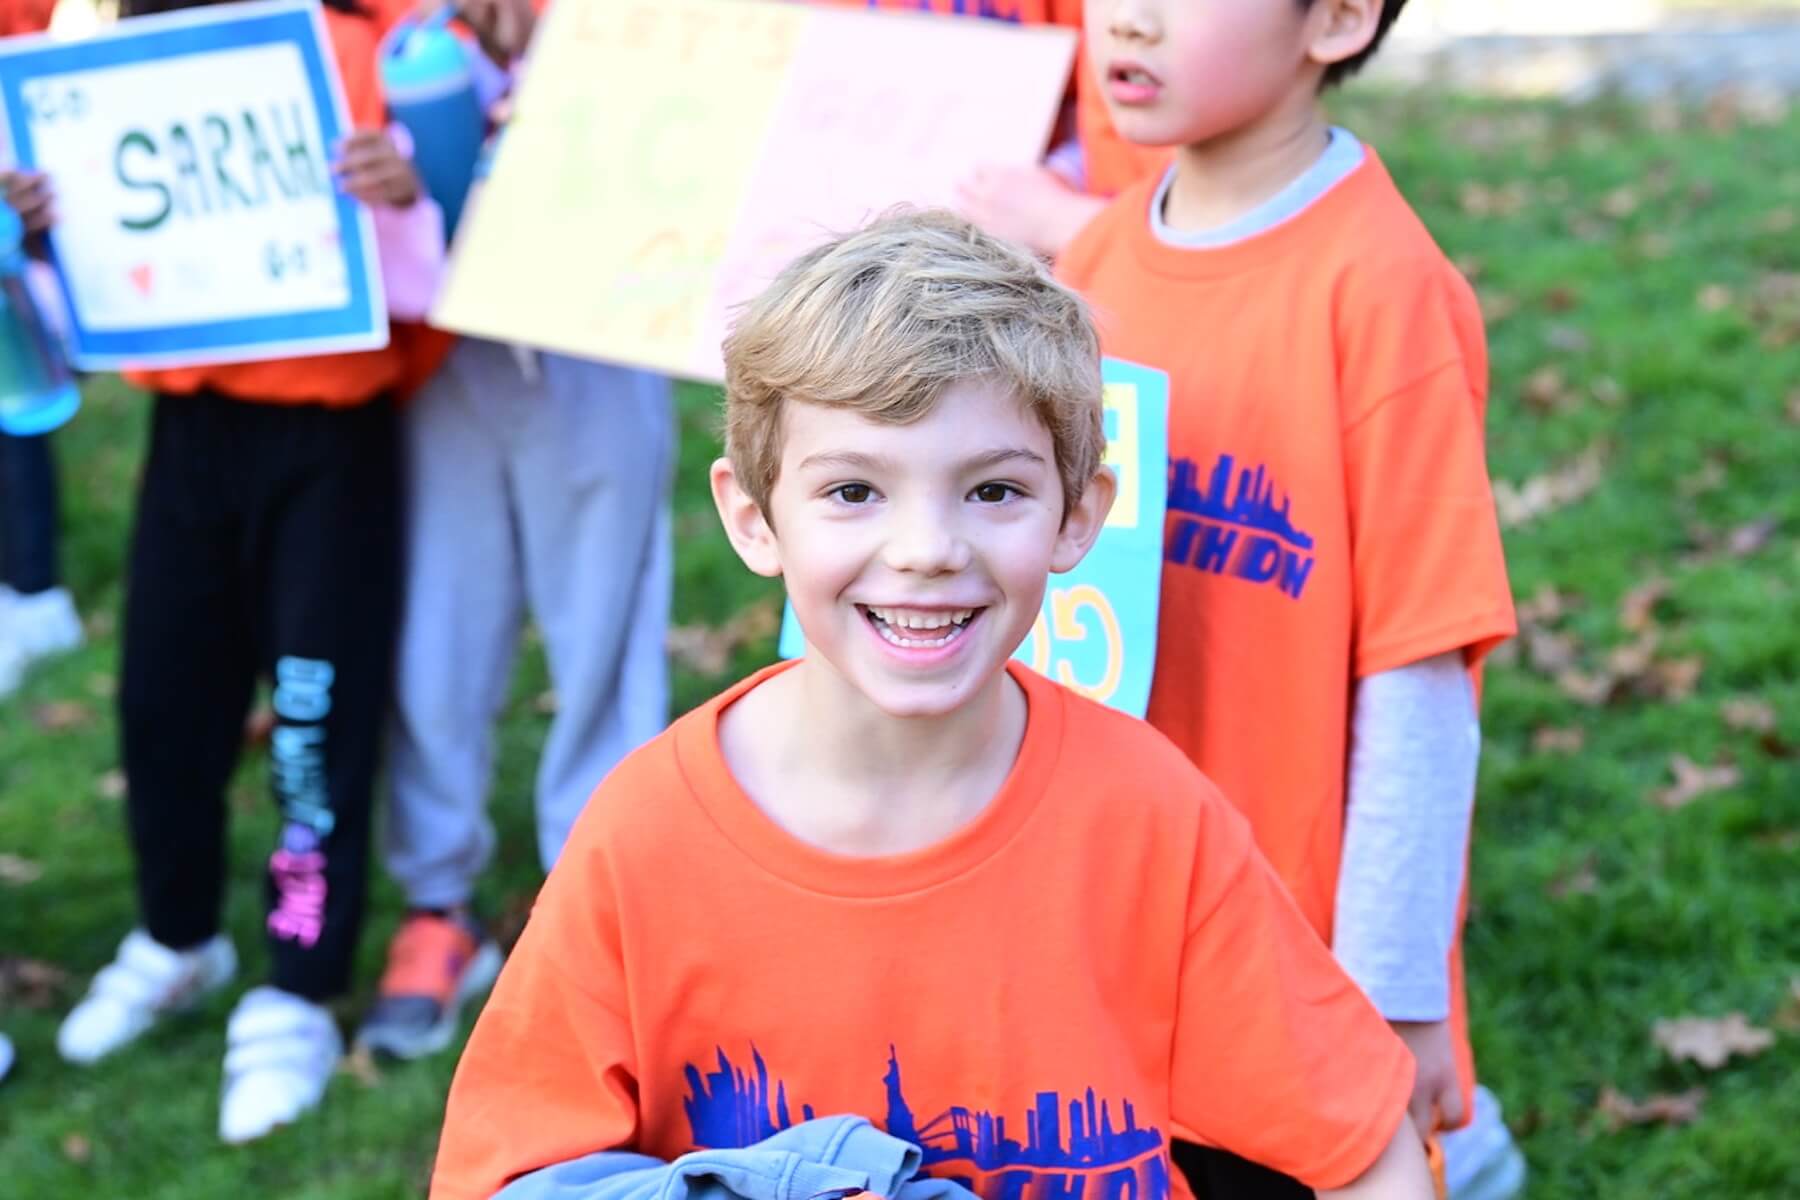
<point x="436" y="965"/>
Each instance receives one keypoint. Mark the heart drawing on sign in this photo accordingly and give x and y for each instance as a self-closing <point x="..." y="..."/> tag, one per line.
<point x="140" y="276"/>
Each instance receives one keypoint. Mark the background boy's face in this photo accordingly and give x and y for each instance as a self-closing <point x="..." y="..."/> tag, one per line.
<point x="916" y="555"/>
<point x="1180" y="72"/>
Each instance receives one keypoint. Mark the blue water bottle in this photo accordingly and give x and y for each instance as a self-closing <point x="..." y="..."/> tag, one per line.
<point x="430" y="86"/>
<point x="37" y="390"/>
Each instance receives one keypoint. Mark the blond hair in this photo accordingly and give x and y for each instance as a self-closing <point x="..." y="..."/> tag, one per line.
<point x="883" y="320"/>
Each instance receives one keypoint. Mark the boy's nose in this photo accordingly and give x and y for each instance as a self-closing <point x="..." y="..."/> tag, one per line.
<point x="923" y="543"/>
<point x="1131" y="20"/>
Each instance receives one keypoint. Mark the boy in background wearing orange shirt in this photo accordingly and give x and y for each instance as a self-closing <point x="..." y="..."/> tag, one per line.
<point x="903" y="877"/>
<point x="1333" y="569"/>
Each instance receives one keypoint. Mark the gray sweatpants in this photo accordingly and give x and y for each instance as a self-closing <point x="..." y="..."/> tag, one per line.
<point x="540" y="486"/>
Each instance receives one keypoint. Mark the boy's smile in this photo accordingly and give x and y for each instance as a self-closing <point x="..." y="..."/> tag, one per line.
<point x="916" y="555"/>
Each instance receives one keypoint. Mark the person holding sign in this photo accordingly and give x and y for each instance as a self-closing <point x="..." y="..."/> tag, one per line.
<point x="267" y="542"/>
<point x="1333" y="572"/>
<point x="535" y="482"/>
<point x="886" y="878"/>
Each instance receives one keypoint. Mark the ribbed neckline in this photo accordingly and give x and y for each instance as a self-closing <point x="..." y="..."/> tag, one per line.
<point x="1183" y="262"/>
<point x="785" y="856"/>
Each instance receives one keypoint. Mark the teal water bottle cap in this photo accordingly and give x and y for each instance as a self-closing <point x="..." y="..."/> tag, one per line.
<point x="425" y="56"/>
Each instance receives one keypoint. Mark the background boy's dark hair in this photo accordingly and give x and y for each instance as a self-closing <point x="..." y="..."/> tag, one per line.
<point x="1338" y="72"/>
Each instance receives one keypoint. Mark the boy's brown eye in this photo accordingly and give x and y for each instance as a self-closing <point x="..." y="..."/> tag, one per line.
<point x="854" y="493"/>
<point x="993" y="493"/>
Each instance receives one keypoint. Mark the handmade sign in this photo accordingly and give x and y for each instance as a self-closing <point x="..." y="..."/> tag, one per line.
<point x="667" y="157"/>
<point x="1097" y="631"/>
<point x="190" y="154"/>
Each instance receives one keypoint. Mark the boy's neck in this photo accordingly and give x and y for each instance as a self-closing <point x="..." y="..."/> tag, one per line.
<point x="1219" y="180"/>
<point x="838" y="773"/>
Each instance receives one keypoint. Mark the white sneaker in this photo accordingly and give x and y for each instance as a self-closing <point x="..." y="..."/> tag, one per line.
<point x="145" y="982"/>
<point x="1480" y="1160"/>
<point x="280" y="1052"/>
<point x="41" y="624"/>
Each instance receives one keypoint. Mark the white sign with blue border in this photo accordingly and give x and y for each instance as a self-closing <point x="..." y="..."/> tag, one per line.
<point x="190" y="154"/>
<point x="1096" y="633"/>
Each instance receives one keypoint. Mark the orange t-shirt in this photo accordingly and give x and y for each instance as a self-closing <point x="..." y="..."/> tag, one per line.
<point x="1330" y="514"/>
<point x="333" y="380"/>
<point x="25" y="16"/>
<point x="1099" y="956"/>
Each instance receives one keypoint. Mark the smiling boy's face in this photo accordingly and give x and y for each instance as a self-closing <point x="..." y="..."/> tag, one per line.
<point x="916" y="555"/>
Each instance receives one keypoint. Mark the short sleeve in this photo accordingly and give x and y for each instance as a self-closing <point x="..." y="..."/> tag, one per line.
<point x="549" y="1074"/>
<point x="1428" y="569"/>
<point x="1279" y="1057"/>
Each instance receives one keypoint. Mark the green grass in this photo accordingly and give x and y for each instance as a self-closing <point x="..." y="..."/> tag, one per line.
<point x="1643" y="265"/>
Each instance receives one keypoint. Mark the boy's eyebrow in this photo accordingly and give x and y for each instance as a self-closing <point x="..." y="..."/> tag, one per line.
<point x="857" y="461"/>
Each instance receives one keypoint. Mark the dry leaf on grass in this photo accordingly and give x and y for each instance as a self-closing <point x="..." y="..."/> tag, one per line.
<point x="28" y="983"/>
<point x="18" y="871"/>
<point x="1637" y="611"/>
<point x="1546" y="391"/>
<point x="1543" y="606"/>
<point x="1619" y="1110"/>
<point x="111" y="785"/>
<point x="77" y="1149"/>
<point x="1519" y="504"/>
<point x="1550" y="653"/>
<point x="1787" y="1017"/>
<point x="1748" y="715"/>
<point x="103" y="687"/>
<point x="1693" y="781"/>
<point x="1677" y="678"/>
<point x="707" y="649"/>
<point x="1549" y="740"/>
<point x="1793" y="407"/>
<point x="1714" y="297"/>
<point x="1582" y="881"/>
<point x="1585" y="687"/>
<point x="545" y="703"/>
<point x="1747" y="539"/>
<point x="359" y="1064"/>
<point x="1711" y="1041"/>
<point x="59" y="716"/>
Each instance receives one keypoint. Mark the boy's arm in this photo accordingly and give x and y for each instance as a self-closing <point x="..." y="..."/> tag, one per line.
<point x="549" y="1074"/>
<point x="1400" y="1173"/>
<point x="1414" y="747"/>
<point x="1278" y="1056"/>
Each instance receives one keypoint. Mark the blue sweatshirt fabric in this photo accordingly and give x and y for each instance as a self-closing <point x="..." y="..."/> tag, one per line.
<point x="822" y="1159"/>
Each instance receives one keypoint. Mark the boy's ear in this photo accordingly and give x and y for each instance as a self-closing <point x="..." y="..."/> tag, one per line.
<point x="1086" y="519"/>
<point x="1342" y="29"/>
<point x="749" y="530"/>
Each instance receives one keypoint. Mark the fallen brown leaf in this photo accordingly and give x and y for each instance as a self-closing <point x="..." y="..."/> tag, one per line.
<point x="1778" y="220"/>
<point x="1569" y="339"/>
<point x="545" y="703"/>
<point x="28" y="983"/>
<point x="1549" y="740"/>
<point x="1633" y="660"/>
<point x="1793" y="407"/>
<point x="112" y="785"/>
<point x="1787" y="1017"/>
<point x="1587" y="688"/>
<point x="259" y="725"/>
<point x="1620" y="203"/>
<point x="1677" y="678"/>
<point x="1709" y="478"/>
<point x="1693" y="781"/>
<point x="1521" y="503"/>
<point x="18" y="871"/>
<point x="1747" y="539"/>
<point x="60" y="716"/>
<point x="1779" y="839"/>
<point x="707" y="649"/>
<point x="1580" y="881"/>
<point x="1637" y="611"/>
<point x="1548" y="652"/>
<point x="102" y="687"/>
<point x="1546" y="390"/>
<point x="77" y="1149"/>
<point x="1711" y="1041"/>
<point x="1714" y="297"/>
<point x="360" y="1065"/>
<point x="1619" y="1110"/>
<point x="1562" y="298"/>
<point x="1543" y="606"/>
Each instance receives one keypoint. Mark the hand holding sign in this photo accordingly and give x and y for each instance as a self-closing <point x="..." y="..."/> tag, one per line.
<point x="371" y="168"/>
<point x="28" y="194"/>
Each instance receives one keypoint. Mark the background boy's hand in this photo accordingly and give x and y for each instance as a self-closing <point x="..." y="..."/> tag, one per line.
<point x="372" y="169"/>
<point x="1437" y="1092"/>
<point x="1030" y="205"/>
<point x="503" y="27"/>
<point x="28" y="192"/>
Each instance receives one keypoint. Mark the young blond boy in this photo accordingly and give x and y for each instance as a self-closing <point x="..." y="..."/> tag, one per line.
<point x="904" y="877"/>
<point x="1333" y="564"/>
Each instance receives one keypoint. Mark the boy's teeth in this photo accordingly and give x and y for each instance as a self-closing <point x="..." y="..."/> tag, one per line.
<point x="900" y="619"/>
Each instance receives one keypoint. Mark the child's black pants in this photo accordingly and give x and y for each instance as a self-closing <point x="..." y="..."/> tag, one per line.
<point x="28" y="514"/>
<point x="267" y="543"/>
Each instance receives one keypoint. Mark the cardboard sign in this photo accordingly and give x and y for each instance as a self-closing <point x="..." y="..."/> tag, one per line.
<point x="190" y="154"/>
<point x="667" y="157"/>
<point x="1097" y="631"/>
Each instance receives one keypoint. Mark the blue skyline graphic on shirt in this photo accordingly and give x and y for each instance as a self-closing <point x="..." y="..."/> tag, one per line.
<point x="1251" y="503"/>
<point x="1064" y="1143"/>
